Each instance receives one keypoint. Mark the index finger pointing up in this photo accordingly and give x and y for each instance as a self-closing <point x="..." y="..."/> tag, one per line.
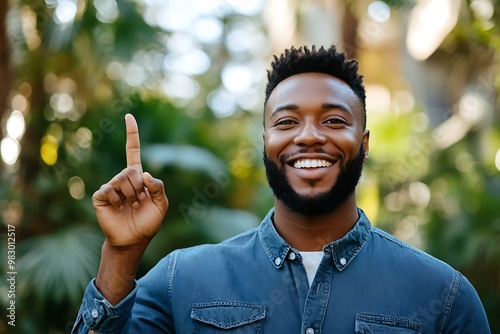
<point x="133" y="146"/>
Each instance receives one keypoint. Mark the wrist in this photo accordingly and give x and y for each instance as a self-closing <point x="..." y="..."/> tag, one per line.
<point x="123" y="260"/>
<point x="117" y="270"/>
<point x="135" y="250"/>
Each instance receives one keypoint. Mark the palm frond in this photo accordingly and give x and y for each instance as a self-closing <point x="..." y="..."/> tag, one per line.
<point x="57" y="267"/>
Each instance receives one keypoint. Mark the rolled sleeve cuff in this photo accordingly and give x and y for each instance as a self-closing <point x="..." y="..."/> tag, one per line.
<point x="97" y="314"/>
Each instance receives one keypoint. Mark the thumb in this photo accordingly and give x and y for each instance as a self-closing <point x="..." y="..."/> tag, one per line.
<point x="156" y="191"/>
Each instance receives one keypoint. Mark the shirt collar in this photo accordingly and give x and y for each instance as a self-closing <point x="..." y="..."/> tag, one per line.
<point x="275" y="246"/>
<point x="343" y="250"/>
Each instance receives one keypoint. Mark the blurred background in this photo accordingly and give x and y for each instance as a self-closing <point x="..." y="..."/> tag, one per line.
<point x="193" y="74"/>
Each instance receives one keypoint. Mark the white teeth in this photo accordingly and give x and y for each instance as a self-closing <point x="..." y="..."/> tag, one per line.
<point x="311" y="163"/>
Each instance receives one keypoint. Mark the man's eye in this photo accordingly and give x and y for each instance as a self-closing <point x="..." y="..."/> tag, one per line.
<point x="285" y="122"/>
<point x="335" y="121"/>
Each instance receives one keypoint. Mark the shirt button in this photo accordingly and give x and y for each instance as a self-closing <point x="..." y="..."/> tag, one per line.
<point x="291" y="256"/>
<point x="277" y="261"/>
<point x="309" y="331"/>
<point x="94" y="313"/>
<point x="343" y="261"/>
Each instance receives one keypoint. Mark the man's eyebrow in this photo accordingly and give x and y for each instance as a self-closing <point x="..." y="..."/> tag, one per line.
<point x="285" y="107"/>
<point x="335" y="106"/>
<point x="325" y="106"/>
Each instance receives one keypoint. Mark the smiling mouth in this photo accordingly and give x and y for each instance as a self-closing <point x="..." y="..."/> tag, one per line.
<point x="311" y="163"/>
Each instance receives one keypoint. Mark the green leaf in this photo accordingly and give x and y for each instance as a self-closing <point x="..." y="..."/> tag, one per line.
<point x="58" y="266"/>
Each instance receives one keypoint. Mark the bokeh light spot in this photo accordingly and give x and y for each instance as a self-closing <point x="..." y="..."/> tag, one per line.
<point x="237" y="78"/>
<point x="48" y="150"/>
<point x="62" y="103"/>
<point x="497" y="160"/>
<point x="65" y="12"/>
<point x="379" y="11"/>
<point x="222" y="103"/>
<point x="19" y="102"/>
<point x="483" y="8"/>
<point x="193" y="62"/>
<point x="208" y="30"/>
<point x="76" y="187"/>
<point x="16" y="125"/>
<point x="84" y="137"/>
<point x="420" y="194"/>
<point x="10" y="150"/>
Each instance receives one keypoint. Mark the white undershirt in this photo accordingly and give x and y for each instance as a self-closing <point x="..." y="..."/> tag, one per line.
<point x="311" y="261"/>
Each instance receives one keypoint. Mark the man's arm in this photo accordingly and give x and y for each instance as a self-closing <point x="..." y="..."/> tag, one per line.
<point x="467" y="314"/>
<point x="130" y="209"/>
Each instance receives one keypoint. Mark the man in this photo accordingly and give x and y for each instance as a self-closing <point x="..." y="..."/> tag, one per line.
<point x="314" y="265"/>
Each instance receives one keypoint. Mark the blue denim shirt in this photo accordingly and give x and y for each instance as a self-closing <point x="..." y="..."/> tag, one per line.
<point x="367" y="282"/>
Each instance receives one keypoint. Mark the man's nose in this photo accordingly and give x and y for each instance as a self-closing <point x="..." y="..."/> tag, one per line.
<point x="310" y="135"/>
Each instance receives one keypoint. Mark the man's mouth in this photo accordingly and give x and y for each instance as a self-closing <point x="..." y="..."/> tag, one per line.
<point x="311" y="163"/>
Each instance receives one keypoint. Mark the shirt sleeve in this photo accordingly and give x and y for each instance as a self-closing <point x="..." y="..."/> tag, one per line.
<point x="97" y="314"/>
<point x="146" y="309"/>
<point x="467" y="312"/>
<point x="153" y="309"/>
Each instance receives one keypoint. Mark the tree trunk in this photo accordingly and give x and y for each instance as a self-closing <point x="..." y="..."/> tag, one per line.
<point x="349" y="32"/>
<point x="4" y="58"/>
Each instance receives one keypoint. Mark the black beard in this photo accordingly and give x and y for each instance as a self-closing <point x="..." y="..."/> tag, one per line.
<point x="327" y="202"/>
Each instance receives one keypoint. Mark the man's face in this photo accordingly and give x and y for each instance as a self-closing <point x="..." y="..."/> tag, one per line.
<point x="314" y="142"/>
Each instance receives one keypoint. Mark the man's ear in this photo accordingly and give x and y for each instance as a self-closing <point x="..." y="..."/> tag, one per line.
<point x="366" y="144"/>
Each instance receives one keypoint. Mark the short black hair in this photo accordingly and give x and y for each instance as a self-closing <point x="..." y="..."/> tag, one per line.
<point x="329" y="61"/>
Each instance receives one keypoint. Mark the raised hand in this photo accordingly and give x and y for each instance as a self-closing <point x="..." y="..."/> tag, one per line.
<point x="129" y="209"/>
<point x="131" y="206"/>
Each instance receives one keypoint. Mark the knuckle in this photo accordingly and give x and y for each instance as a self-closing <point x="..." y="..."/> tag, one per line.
<point x="101" y="190"/>
<point x="118" y="178"/>
<point x="130" y="172"/>
<point x="105" y="188"/>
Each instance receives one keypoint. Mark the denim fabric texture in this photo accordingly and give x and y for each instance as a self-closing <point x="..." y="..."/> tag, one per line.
<point x="367" y="282"/>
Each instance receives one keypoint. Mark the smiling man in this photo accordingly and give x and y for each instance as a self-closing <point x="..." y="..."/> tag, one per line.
<point x="314" y="265"/>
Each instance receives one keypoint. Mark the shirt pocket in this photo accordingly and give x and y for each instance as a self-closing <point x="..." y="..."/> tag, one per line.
<point x="386" y="324"/>
<point x="228" y="317"/>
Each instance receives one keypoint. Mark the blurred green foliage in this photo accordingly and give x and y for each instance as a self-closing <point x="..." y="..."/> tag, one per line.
<point x="211" y="166"/>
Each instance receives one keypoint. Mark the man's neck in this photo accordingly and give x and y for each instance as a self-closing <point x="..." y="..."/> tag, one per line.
<point x="311" y="233"/>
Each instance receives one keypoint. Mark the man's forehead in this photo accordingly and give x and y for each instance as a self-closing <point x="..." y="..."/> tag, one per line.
<point x="310" y="76"/>
<point x="310" y="84"/>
